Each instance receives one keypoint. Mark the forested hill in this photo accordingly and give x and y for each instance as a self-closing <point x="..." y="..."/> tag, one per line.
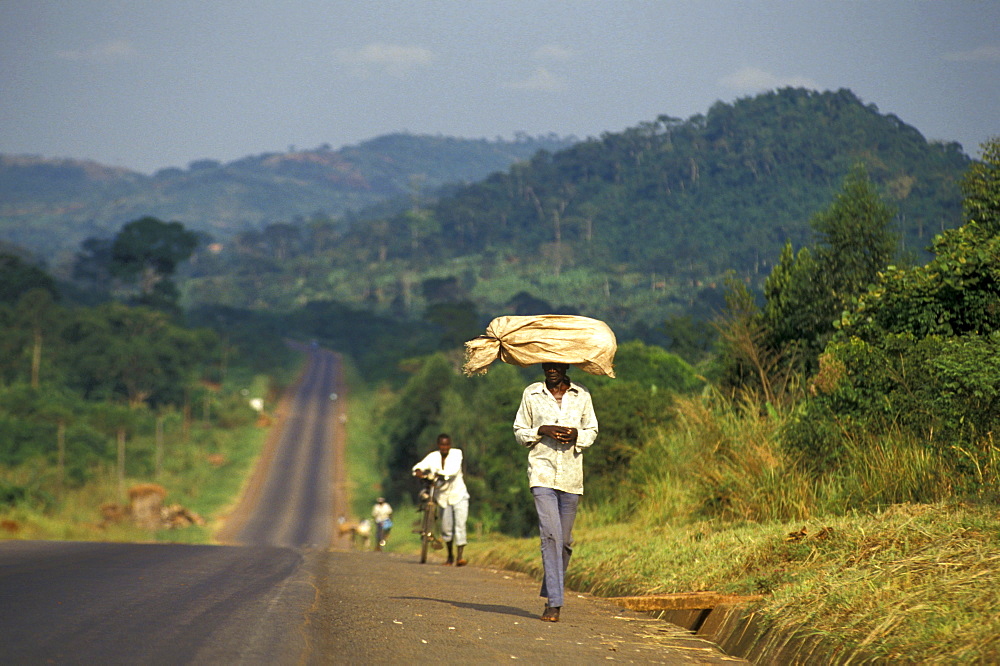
<point x="719" y="191"/>
<point x="637" y="228"/>
<point x="43" y="200"/>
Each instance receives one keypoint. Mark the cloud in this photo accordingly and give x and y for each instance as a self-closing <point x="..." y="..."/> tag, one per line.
<point x="110" y="51"/>
<point x="393" y="59"/>
<point x="553" y="52"/>
<point x="752" y="79"/>
<point x="982" y="54"/>
<point x="541" y="79"/>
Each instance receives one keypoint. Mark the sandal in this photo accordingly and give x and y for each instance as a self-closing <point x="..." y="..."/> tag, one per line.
<point x="550" y="614"/>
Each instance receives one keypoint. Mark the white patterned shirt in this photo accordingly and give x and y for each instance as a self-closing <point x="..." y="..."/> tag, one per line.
<point x="552" y="464"/>
<point x="453" y="490"/>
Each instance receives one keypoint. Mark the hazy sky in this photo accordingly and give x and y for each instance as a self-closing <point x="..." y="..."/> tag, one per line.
<point x="148" y="84"/>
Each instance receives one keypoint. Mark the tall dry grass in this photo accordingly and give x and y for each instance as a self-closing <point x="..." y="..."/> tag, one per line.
<point x="725" y="461"/>
<point x="715" y="461"/>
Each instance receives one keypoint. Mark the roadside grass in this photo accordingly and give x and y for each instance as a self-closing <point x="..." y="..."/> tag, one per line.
<point x="879" y="557"/>
<point x="362" y="447"/>
<point x="913" y="583"/>
<point x="203" y="474"/>
<point x="364" y="403"/>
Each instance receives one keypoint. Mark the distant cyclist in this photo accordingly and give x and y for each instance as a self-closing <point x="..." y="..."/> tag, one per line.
<point x="382" y="515"/>
<point x="453" y="498"/>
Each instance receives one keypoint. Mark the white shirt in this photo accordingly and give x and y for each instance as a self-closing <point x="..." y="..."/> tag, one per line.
<point x="381" y="512"/>
<point x="453" y="490"/>
<point x="552" y="464"/>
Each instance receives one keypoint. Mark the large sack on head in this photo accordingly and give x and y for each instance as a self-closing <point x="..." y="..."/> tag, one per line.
<point x="588" y="344"/>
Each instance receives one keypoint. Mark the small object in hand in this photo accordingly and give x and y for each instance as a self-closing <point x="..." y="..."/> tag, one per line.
<point x="550" y="614"/>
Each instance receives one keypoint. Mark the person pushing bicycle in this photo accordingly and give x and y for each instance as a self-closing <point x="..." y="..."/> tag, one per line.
<point x="452" y="497"/>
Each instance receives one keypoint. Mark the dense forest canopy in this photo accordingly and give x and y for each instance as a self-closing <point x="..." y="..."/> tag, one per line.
<point x="716" y="192"/>
<point x="636" y="227"/>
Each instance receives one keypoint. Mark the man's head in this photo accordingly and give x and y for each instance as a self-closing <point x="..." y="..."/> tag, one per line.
<point x="380" y="500"/>
<point x="444" y="443"/>
<point x="555" y="373"/>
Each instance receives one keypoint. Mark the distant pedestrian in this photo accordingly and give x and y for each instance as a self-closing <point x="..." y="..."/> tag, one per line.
<point x="556" y="421"/>
<point x="382" y="515"/>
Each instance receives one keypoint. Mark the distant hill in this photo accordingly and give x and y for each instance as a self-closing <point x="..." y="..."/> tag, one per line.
<point x="719" y="191"/>
<point x="633" y="227"/>
<point x="49" y="205"/>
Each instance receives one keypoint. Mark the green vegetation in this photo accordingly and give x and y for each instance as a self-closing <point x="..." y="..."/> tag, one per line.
<point x="638" y="228"/>
<point x="833" y="448"/>
<point x="856" y="492"/>
<point x="95" y="399"/>
<point x="912" y="584"/>
<point x="202" y="470"/>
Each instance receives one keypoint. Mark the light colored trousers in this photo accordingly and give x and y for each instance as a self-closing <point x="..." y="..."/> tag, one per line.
<point x="453" y="519"/>
<point x="556" y="513"/>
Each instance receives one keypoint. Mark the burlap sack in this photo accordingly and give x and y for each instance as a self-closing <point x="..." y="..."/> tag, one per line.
<point x="588" y="344"/>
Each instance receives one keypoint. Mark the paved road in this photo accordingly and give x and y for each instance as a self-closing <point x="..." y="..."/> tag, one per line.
<point x="105" y="603"/>
<point x="291" y="500"/>
<point x="286" y="595"/>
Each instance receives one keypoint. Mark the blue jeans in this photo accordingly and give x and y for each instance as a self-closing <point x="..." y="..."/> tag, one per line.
<point x="556" y="513"/>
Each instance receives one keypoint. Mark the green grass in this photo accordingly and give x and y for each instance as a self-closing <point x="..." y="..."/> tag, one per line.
<point x="362" y="453"/>
<point x="916" y="582"/>
<point x="204" y="474"/>
<point x="887" y="564"/>
<point x="891" y="564"/>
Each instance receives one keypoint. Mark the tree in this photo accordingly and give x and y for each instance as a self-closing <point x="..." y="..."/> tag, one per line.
<point x="135" y="354"/>
<point x="117" y="421"/>
<point x="855" y="239"/>
<point x="921" y="348"/>
<point x="981" y="189"/>
<point x="92" y="264"/>
<point x="958" y="291"/>
<point x="39" y="312"/>
<point x="458" y="322"/>
<point x="146" y="252"/>
<point x="808" y="291"/>
<point x="747" y="363"/>
<point x="18" y="277"/>
<point x="413" y="421"/>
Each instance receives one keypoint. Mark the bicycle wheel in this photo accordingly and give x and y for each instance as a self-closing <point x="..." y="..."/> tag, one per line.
<point x="426" y="530"/>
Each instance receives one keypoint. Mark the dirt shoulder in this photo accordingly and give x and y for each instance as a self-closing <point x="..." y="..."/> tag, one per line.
<point x="388" y="608"/>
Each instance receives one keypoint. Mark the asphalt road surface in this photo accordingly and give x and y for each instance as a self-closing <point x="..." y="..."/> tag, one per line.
<point x="289" y="592"/>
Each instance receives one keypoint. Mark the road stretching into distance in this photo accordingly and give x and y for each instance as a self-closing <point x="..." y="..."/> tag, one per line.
<point x="293" y="501"/>
<point x="285" y="590"/>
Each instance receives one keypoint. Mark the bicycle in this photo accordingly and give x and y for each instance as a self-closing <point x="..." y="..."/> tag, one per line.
<point x="429" y="513"/>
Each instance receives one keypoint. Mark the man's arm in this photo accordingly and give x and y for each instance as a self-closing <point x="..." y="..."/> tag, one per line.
<point x="525" y="430"/>
<point x="424" y="464"/>
<point x="587" y="432"/>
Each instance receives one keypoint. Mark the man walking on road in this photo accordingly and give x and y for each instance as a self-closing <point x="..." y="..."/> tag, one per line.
<point x="453" y="498"/>
<point x="556" y="421"/>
